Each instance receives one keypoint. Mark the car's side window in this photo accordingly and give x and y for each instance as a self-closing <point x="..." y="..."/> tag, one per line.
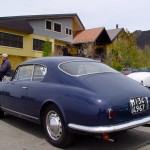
<point x="39" y="73"/>
<point x="15" y="76"/>
<point x="25" y="73"/>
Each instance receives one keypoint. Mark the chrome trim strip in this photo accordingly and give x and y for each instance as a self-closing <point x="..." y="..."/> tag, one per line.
<point x="98" y="61"/>
<point x="111" y="128"/>
<point x="20" y="114"/>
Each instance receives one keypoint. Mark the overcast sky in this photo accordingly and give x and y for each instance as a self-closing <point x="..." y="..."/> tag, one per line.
<point x="129" y="14"/>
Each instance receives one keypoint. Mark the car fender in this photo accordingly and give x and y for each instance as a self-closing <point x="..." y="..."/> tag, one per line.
<point x="80" y="106"/>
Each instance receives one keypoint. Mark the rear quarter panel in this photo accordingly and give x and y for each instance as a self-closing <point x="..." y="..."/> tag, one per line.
<point x="77" y="105"/>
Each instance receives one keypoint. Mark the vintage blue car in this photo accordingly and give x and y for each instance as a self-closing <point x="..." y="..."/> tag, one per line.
<point x="69" y="95"/>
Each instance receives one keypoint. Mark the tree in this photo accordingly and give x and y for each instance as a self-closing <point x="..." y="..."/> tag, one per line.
<point x="146" y="53"/>
<point x="125" y="53"/>
<point x="47" y="48"/>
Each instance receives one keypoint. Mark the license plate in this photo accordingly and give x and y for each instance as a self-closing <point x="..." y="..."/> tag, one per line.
<point x="139" y="104"/>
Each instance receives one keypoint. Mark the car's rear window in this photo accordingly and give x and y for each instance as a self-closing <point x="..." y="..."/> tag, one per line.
<point x="78" y="68"/>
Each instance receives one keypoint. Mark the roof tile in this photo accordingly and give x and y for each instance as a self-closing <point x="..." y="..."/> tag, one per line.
<point x="89" y="35"/>
<point x="113" y="33"/>
<point x="18" y="25"/>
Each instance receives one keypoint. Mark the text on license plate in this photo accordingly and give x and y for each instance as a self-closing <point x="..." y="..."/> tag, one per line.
<point x="138" y="104"/>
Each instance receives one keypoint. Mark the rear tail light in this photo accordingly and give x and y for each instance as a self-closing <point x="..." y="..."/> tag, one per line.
<point x="105" y="137"/>
<point x="111" y="113"/>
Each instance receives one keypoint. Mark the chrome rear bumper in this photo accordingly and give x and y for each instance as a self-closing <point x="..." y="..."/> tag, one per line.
<point x="110" y="128"/>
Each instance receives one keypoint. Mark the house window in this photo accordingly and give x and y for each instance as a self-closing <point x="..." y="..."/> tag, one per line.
<point x="57" y="27"/>
<point x="48" y="25"/>
<point x="68" y="31"/>
<point x="11" y="40"/>
<point x="38" y="44"/>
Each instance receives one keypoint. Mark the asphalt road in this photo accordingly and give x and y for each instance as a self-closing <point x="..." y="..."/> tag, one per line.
<point x="18" y="134"/>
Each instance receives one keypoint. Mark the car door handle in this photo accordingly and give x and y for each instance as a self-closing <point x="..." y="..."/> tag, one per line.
<point x="24" y="87"/>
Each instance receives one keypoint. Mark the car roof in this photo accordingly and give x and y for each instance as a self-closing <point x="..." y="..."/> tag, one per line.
<point x="54" y="60"/>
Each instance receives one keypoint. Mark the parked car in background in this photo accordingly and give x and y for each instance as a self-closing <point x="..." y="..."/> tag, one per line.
<point x="69" y="95"/>
<point x="144" y="70"/>
<point x="141" y="77"/>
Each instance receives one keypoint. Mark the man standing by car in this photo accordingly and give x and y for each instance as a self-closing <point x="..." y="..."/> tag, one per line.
<point x="5" y="69"/>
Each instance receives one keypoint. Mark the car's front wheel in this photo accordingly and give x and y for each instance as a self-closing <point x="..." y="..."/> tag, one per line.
<point x="55" y="128"/>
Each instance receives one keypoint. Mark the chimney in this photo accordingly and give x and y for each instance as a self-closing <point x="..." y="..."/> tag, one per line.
<point x="116" y="26"/>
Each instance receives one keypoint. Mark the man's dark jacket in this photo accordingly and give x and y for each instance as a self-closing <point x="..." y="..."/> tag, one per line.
<point x="5" y="69"/>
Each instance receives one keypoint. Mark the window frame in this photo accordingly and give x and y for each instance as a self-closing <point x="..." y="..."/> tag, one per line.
<point x="83" y="74"/>
<point x="46" y="24"/>
<point x="11" y="40"/>
<point x="39" y="50"/>
<point x="60" y="27"/>
<point x="17" y="71"/>
<point x="66" y="30"/>
<point x="34" y="72"/>
<point x="69" y="31"/>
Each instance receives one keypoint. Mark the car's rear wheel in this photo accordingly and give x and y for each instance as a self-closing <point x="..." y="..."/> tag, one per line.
<point x="1" y="114"/>
<point x="55" y="128"/>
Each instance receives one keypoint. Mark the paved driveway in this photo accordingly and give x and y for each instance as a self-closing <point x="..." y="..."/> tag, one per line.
<point x="18" y="134"/>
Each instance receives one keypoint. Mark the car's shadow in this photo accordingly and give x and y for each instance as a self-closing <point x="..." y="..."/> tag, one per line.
<point x="27" y="126"/>
<point x="128" y="140"/>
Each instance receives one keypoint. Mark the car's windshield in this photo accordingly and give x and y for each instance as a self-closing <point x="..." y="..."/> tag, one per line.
<point x="78" y="68"/>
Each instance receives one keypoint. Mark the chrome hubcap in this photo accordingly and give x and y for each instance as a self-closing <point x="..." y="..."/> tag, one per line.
<point x="54" y="126"/>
